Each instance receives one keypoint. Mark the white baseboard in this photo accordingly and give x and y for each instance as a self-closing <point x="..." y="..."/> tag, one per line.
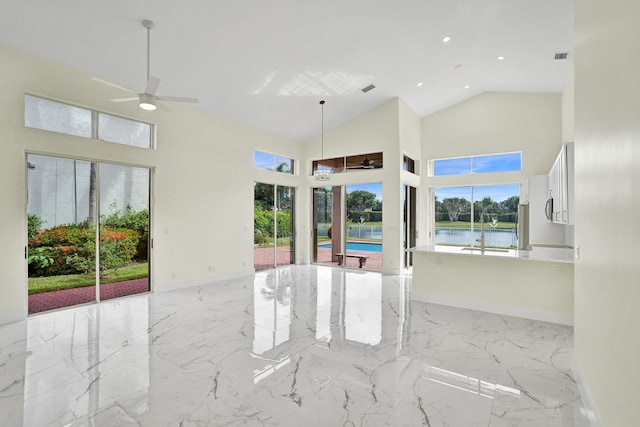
<point x="12" y="316"/>
<point x="216" y="278"/>
<point x="585" y="394"/>
<point x="525" y="312"/>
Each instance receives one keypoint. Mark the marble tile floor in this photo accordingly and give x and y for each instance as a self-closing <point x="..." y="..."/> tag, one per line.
<point x="295" y="346"/>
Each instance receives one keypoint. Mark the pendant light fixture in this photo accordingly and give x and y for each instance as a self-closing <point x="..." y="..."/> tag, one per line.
<point x="321" y="174"/>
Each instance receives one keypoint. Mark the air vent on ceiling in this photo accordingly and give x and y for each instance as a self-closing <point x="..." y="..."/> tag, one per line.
<point x="368" y="88"/>
<point x="561" y="55"/>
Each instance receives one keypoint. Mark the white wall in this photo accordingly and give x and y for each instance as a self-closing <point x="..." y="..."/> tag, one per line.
<point x="203" y="177"/>
<point x="568" y="106"/>
<point x="607" y="159"/>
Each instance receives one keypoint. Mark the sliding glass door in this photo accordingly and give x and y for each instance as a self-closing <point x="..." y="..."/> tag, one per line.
<point x="328" y="237"/>
<point x="409" y="223"/>
<point x="61" y="231"/>
<point x="348" y="227"/>
<point x="274" y="230"/>
<point x="124" y="235"/>
<point x="66" y="199"/>
<point x="363" y="226"/>
<point x="285" y="220"/>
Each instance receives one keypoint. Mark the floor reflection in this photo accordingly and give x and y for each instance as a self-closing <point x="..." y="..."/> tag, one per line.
<point x="299" y="345"/>
<point x="80" y="360"/>
<point x="348" y="300"/>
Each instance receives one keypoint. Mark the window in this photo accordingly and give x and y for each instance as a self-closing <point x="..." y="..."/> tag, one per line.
<point x="268" y="161"/>
<point x="40" y="113"/>
<point x="123" y="131"/>
<point x="49" y="115"/>
<point x="408" y="164"/>
<point x="461" y="211"/>
<point x="506" y="162"/>
<point x="350" y="163"/>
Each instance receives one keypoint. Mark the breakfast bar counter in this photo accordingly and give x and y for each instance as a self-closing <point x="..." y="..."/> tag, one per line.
<point x="536" y="284"/>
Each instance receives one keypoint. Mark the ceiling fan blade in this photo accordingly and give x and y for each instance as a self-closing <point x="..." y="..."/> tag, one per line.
<point x="137" y="98"/>
<point x="176" y="99"/>
<point x="112" y="84"/>
<point x="152" y="85"/>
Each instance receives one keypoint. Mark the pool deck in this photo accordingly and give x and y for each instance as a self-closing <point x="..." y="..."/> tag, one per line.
<point x="263" y="258"/>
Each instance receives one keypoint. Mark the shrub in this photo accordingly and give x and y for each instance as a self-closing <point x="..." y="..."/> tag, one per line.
<point x="34" y="224"/>
<point x="262" y="224"/>
<point x="69" y="249"/>
<point x="284" y="224"/>
<point x="132" y="220"/>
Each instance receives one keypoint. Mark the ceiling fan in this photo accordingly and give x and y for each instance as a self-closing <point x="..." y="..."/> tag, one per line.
<point x="148" y="99"/>
<point x="366" y="164"/>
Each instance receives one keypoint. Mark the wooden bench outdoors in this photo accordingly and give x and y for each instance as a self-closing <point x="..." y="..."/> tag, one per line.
<point x="361" y="258"/>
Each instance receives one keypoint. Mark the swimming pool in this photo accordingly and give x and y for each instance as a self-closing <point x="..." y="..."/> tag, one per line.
<point x="358" y="246"/>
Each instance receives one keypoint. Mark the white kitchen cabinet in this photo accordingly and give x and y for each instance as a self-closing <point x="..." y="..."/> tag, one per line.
<point x="560" y="186"/>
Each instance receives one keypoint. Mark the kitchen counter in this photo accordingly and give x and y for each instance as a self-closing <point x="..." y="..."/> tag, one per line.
<point x="536" y="284"/>
<point x="545" y="254"/>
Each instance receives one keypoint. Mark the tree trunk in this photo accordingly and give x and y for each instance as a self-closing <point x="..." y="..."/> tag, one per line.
<point x="92" y="193"/>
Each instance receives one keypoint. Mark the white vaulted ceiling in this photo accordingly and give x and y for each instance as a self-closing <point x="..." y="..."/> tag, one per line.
<point x="268" y="63"/>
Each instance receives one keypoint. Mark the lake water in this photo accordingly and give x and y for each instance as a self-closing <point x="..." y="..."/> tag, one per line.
<point x="373" y="232"/>
<point x="462" y="236"/>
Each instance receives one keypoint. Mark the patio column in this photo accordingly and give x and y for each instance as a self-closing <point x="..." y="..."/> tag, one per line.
<point x="337" y="238"/>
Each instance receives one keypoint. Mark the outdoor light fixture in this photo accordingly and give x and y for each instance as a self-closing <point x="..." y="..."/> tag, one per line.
<point x="321" y="174"/>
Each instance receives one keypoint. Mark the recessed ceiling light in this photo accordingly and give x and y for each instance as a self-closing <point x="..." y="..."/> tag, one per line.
<point x="467" y="86"/>
<point x="420" y="84"/>
<point x="446" y="39"/>
<point x="500" y="58"/>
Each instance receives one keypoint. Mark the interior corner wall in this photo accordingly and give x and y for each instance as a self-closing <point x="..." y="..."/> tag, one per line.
<point x="607" y="182"/>
<point x="202" y="221"/>
<point x="410" y="132"/>
<point x="410" y="145"/>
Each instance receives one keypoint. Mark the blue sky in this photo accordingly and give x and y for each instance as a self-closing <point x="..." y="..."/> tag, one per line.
<point x="480" y="164"/>
<point x="262" y="160"/>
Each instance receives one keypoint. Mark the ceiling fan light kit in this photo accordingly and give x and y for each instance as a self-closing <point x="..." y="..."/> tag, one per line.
<point x="148" y="99"/>
<point x="147" y="102"/>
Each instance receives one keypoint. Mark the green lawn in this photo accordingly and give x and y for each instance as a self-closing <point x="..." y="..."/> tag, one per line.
<point x="462" y="224"/>
<point x="282" y="241"/>
<point x="39" y="285"/>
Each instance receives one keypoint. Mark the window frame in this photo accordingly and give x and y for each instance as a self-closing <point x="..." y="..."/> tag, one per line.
<point x="95" y="122"/>
<point x="471" y="171"/>
<point x="292" y="165"/>
<point x="344" y="164"/>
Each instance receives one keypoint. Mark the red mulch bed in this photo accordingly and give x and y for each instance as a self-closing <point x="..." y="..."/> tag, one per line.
<point x="59" y="299"/>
